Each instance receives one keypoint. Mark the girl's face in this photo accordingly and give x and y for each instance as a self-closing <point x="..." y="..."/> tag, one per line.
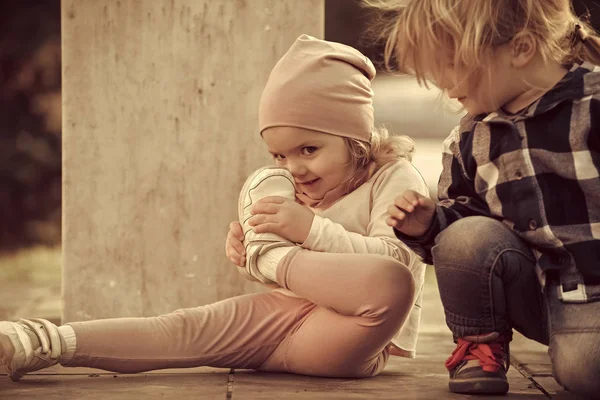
<point x="496" y="84"/>
<point x="318" y="161"/>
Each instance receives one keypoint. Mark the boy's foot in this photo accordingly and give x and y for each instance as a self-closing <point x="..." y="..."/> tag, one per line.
<point x="479" y="364"/>
<point x="266" y="181"/>
<point x="18" y="354"/>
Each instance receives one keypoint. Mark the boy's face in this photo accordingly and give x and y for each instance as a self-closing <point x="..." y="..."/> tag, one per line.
<point x="318" y="161"/>
<point x="495" y="84"/>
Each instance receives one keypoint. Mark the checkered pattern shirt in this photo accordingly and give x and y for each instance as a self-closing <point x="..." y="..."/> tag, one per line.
<point x="536" y="171"/>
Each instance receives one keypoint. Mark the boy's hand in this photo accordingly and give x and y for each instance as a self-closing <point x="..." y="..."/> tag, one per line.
<point x="234" y="246"/>
<point x="411" y="213"/>
<point x="286" y="218"/>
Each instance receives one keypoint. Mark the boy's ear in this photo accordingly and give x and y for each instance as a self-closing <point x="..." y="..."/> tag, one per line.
<point x="524" y="47"/>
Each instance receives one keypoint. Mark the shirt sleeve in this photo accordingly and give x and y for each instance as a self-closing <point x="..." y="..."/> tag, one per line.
<point x="328" y="236"/>
<point x="456" y="193"/>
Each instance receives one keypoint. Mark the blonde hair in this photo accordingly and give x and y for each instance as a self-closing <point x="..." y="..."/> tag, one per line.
<point x="368" y="157"/>
<point x="414" y="31"/>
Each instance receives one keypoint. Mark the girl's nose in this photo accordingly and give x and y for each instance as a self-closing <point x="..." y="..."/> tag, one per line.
<point x="297" y="168"/>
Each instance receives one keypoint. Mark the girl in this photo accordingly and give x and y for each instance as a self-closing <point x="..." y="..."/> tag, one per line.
<point x="515" y="237"/>
<point x="315" y="229"/>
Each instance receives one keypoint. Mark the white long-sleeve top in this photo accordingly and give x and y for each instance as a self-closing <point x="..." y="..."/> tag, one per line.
<point x="357" y="224"/>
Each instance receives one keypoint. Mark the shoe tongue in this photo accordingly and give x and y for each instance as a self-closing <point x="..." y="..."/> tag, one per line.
<point x="471" y="364"/>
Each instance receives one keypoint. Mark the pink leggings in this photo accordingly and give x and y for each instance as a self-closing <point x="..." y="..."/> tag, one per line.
<point x="350" y="307"/>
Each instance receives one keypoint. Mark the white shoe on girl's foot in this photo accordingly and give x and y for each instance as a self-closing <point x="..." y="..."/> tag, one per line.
<point x="266" y="181"/>
<point x="17" y="354"/>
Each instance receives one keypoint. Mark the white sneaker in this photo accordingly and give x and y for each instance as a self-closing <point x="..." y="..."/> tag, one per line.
<point x="17" y="354"/>
<point x="266" y="181"/>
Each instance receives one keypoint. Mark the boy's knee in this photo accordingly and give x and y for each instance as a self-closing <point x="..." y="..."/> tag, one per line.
<point x="466" y="239"/>
<point x="576" y="362"/>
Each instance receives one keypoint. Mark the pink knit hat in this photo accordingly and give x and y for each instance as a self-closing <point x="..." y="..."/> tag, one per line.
<point x="322" y="86"/>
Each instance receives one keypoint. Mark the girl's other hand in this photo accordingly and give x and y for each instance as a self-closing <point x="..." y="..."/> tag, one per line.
<point x="234" y="245"/>
<point x="411" y="213"/>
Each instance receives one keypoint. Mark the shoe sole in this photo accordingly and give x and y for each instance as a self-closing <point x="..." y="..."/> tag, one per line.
<point x="243" y="194"/>
<point x="479" y="386"/>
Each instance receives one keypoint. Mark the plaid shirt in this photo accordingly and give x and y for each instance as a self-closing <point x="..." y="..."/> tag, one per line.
<point x="537" y="171"/>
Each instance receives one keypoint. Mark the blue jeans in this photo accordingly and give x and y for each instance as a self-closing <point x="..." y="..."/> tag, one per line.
<point x="487" y="282"/>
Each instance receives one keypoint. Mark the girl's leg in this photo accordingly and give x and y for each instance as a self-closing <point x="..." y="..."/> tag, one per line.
<point x="363" y="301"/>
<point x="240" y="332"/>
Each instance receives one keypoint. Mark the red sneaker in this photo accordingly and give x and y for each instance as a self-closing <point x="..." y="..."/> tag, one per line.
<point x="479" y="364"/>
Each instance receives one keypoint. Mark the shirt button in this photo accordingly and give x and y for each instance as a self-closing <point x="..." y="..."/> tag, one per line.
<point x="532" y="225"/>
<point x="519" y="175"/>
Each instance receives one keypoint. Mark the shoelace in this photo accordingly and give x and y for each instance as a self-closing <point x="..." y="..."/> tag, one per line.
<point x="48" y="335"/>
<point x="487" y="354"/>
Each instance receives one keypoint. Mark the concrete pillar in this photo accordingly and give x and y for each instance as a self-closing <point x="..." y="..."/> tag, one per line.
<point x="160" y="106"/>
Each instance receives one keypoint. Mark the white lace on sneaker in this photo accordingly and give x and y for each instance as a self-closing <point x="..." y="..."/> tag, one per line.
<point x="266" y="181"/>
<point x="17" y="354"/>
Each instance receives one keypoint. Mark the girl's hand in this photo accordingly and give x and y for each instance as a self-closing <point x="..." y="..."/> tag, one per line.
<point x="234" y="246"/>
<point x="286" y="218"/>
<point x="411" y="213"/>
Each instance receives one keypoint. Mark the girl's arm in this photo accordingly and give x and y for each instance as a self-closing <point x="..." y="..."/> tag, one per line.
<point x="328" y="236"/>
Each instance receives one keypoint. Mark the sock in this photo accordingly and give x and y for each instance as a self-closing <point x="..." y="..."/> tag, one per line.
<point x="267" y="262"/>
<point x="68" y="343"/>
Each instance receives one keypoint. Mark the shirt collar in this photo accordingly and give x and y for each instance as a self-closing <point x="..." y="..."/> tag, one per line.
<point x="572" y="86"/>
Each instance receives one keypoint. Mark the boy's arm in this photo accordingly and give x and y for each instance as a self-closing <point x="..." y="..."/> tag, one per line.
<point x="456" y="194"/>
